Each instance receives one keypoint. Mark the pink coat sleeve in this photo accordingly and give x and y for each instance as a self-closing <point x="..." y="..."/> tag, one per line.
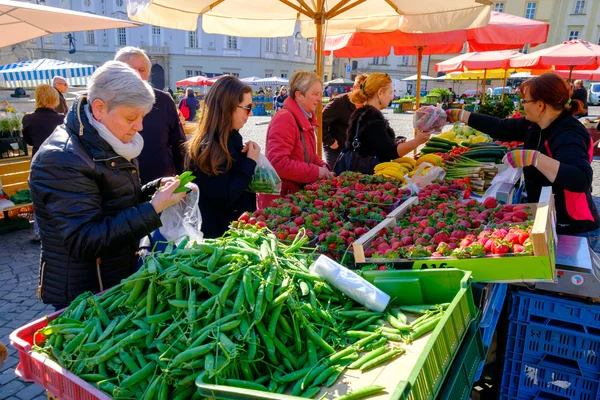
<point x="281" y="149"/>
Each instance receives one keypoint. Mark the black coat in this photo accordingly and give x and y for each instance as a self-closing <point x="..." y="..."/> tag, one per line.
<point x="336" y="120"/>
<point x="163" y="135"/>
<point x="374" y="133"/>
<point x="568" y="142"/>
<point x="39" y="125"/>
<point x="224" y="197"/>
<point x="91" y="209"/>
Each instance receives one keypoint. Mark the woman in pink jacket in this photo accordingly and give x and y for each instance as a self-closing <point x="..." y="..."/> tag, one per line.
<point x="291" y="141"/>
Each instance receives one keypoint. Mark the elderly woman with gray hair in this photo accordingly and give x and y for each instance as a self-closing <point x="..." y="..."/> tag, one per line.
<point x="291" y="141"/>
<point x="91" y="208"/>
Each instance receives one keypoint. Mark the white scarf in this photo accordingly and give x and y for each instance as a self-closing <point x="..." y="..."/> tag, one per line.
<point x="129" y="150"/>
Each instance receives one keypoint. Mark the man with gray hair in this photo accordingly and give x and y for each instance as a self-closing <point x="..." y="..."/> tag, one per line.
<point x="163" y="134"/>
<point x="61" y="86"/>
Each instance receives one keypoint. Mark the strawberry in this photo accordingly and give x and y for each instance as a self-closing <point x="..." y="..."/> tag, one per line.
<point x="252" y="221"/>
<point x="382" y="268"/>
<point x="523" y="237"/>
<point x="521" y="214"/>
<point x="299" y="221"/>
<point x="465" y="243"/>
<point x="244" y="217"/>
<point x="512" y="238"/>
<point x="490" y="203"/>
<point x="518" y="248"/>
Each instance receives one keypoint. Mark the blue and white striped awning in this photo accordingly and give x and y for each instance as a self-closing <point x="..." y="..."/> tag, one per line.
<point x="29" y="74"/>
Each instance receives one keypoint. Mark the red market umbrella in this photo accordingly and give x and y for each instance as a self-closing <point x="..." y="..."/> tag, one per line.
<point x="592" y="75"/>
<point x="479" y="61"/>
<point x="193" y="81"/>
<point x="565" y="56"/>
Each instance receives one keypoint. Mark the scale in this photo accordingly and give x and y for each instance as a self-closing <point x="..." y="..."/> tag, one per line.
<point x="577" y="269"/>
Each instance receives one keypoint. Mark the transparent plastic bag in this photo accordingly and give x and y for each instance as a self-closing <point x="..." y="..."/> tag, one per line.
<point x="430" y="119"/>
<point x="418" y="181"/>
<point x="183" y="219"/>
<point x="265" y="179"/>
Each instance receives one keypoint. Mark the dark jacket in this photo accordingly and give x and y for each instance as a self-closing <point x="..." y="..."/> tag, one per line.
<point x="279" y="100"/>
<point x="163" y="135"/>
<point x="567" y="141"/>
<point x="374" y="133"/>
<point x="224" y="197"/>
<point x="581" y="94"/>
<point x="62" y="107"/>
<point x="336" y="119"/>
<point x="193" y="104"/>
<point x="39" y="125"/>
<point x="91" y="209"/>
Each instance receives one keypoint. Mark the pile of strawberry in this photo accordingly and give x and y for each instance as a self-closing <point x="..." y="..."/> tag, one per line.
<point x="511" y="145"/>
<point x="443" y="225"/>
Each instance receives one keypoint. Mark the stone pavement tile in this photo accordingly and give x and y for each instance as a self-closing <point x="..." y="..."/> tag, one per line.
<point x="7" y="375"/>
<point x="30" y="391"/>
<point x="11" y="388"/>
<point x="11" y="361"/>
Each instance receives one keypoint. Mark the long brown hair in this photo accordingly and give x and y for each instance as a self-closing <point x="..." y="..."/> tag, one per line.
<point x="208" y="148"/>
<point x="552" y="90"/>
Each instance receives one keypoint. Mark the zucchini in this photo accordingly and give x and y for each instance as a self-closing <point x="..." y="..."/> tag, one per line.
<point x="473" y="147"/>
<point x="438" y="145"/>
<point x="443" y="141"/>
<point x="485" y="144"/>
<point x="427" y="150"/>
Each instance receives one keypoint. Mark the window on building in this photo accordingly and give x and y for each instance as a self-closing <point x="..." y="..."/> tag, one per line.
<point x="232" y="42"/>
<point x="156" y="36"/>
<point x="284" y="46"/>
<point x="211" y="42"/>
<point x="90" y="37"/>
<point x="193" y="39"/>
<point x="573" y="34"/>
<point x="525" y="49"/>
<point x="309" y="48"/>
<point x="87" y="3"/>
<point x="579" y="7"/>
<point x="270" y="45"/>
<point x="284" y="75"/>
<point x="404" y="60"/>
<point x="375" y="60"/>
<point x="232" y="74"/>
<point x="119" y="3"/>
<point x="383" y="60"/>
<point x="121" y="37"/>
<point x="297" y="48"/>
<point x="355" y="65"/>
<point x="530" y="10"/>
<point x="499" y="7"/>
<point x="268" y="75"/>
<point x="189" y="73"/>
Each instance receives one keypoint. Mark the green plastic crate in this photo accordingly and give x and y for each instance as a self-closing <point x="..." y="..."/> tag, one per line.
<point x="460" y="380"/>
<point x="406" y="288"/>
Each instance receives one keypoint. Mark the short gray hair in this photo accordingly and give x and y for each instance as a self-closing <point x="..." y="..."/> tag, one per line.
<point x="302" y="81"/>
<point x="56" y="79"/>
<point x="128" y="52"/>
<point x="118" y="85"/>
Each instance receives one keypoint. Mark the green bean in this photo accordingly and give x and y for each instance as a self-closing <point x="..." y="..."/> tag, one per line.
<point x="362" y="393"/>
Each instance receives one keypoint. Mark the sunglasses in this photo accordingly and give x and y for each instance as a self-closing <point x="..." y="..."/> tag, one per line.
<point x="249" y="108"/>
<point x="528" y="101"/>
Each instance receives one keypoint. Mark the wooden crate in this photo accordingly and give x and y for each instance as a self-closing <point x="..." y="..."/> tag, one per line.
<point x="510" y="268"/>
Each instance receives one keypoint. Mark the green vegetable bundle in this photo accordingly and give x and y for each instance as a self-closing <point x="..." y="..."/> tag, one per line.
<point x="184" y="179"/>
<point x="242" y="311"/>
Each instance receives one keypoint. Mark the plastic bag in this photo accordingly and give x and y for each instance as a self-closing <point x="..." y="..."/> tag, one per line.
<point x="430" y="119"/>
<point x="183" y="218"/>
<point x="265" y="179"/>
<point x="418" y="181"/>
<point x="508" y="175"/>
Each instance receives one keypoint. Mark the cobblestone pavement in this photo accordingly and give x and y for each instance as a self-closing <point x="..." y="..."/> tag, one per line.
<point x="19" y="261"/>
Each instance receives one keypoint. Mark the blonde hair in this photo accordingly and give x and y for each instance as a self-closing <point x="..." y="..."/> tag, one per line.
<point x="360" y="79"/>
<point x="46" y="97"/>
<point x="578" y="82"/>
<point x="302" y="81"/>
<point x="370" y="87"/>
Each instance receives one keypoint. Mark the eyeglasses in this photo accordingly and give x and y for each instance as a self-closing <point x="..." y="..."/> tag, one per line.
<point x="249" y="108"/>
<point x="528" y="101"/>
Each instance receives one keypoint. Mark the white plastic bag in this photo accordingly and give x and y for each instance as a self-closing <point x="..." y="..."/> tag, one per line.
<point x="508" y="175"/>
<point x="418" y="181"/>
<point x="265" y="179"/>
<point x="353" y="285"/>
<point x="183" y="219"/>
<point x="430" y="119"/>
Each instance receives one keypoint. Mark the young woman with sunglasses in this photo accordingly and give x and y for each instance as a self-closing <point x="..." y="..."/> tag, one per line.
<point x="557" y="152"/>
<point x="222" y="163"/>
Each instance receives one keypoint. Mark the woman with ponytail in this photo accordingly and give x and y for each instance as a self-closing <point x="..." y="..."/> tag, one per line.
<point x="370" y="127"/>
<point x="558" y="151"/>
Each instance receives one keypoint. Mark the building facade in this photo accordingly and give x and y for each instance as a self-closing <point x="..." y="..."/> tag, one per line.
<point x="177" y="54"/>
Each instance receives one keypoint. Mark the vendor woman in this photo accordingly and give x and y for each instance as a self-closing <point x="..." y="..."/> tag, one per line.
<point x="557" y="152"/>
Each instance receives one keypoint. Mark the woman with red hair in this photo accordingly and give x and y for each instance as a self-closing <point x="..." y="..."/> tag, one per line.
<point x="558" y="151"/>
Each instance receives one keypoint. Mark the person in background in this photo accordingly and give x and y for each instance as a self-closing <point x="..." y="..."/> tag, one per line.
<point x="374" y="133"/>
<point x="261" y="92"/>
<point x="163" y="134"/>
<point x="336" y="119"/>
<point x="280" y="100"/>
<point x="291" y="141"/>
<point x="269" y="93"/>
<point x="222" y="163"/>
<point x="275" y="100"/>
<point x="85" y="186"/>
<point x="580" y="93"/>
<point x="557" y="152"/>
<point x="61" y="86"/>
<point x="170" y="91"/>
<point x="191" y="102"/>
<point x="39" y="125"/>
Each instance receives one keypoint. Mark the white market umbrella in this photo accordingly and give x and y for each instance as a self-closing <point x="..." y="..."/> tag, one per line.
<point x="415" y="77"/>
<point x="251" y="80"/>
<point x="32" y="73"/>
<point x="21" y="21"/>
<point x="273" y="81"/>
<point x="277" y="18"/>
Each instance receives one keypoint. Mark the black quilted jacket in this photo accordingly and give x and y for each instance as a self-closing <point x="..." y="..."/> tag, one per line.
<point x="91" y="209"/>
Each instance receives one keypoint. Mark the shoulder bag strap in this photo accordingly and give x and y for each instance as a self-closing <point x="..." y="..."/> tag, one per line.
<point x="306" y="158"/>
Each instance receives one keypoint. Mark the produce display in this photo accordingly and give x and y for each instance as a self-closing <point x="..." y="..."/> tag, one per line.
<point x="465" y="135"/>
<point x="429" y="119"/>
<point x="242" y="311"/>
<point x="444" y="225"/>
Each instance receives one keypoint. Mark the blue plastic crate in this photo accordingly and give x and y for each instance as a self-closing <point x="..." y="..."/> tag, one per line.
<point x="533" y="307"/>
<point x="580" y="348"/>
<point x="490" y="317"/>
<point x="529" y="378"/>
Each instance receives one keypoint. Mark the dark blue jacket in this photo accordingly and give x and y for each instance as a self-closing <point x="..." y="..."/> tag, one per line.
<point x="39" y="125"/>
<point x="193" y="104"/>
<point x="163" y="139"/>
